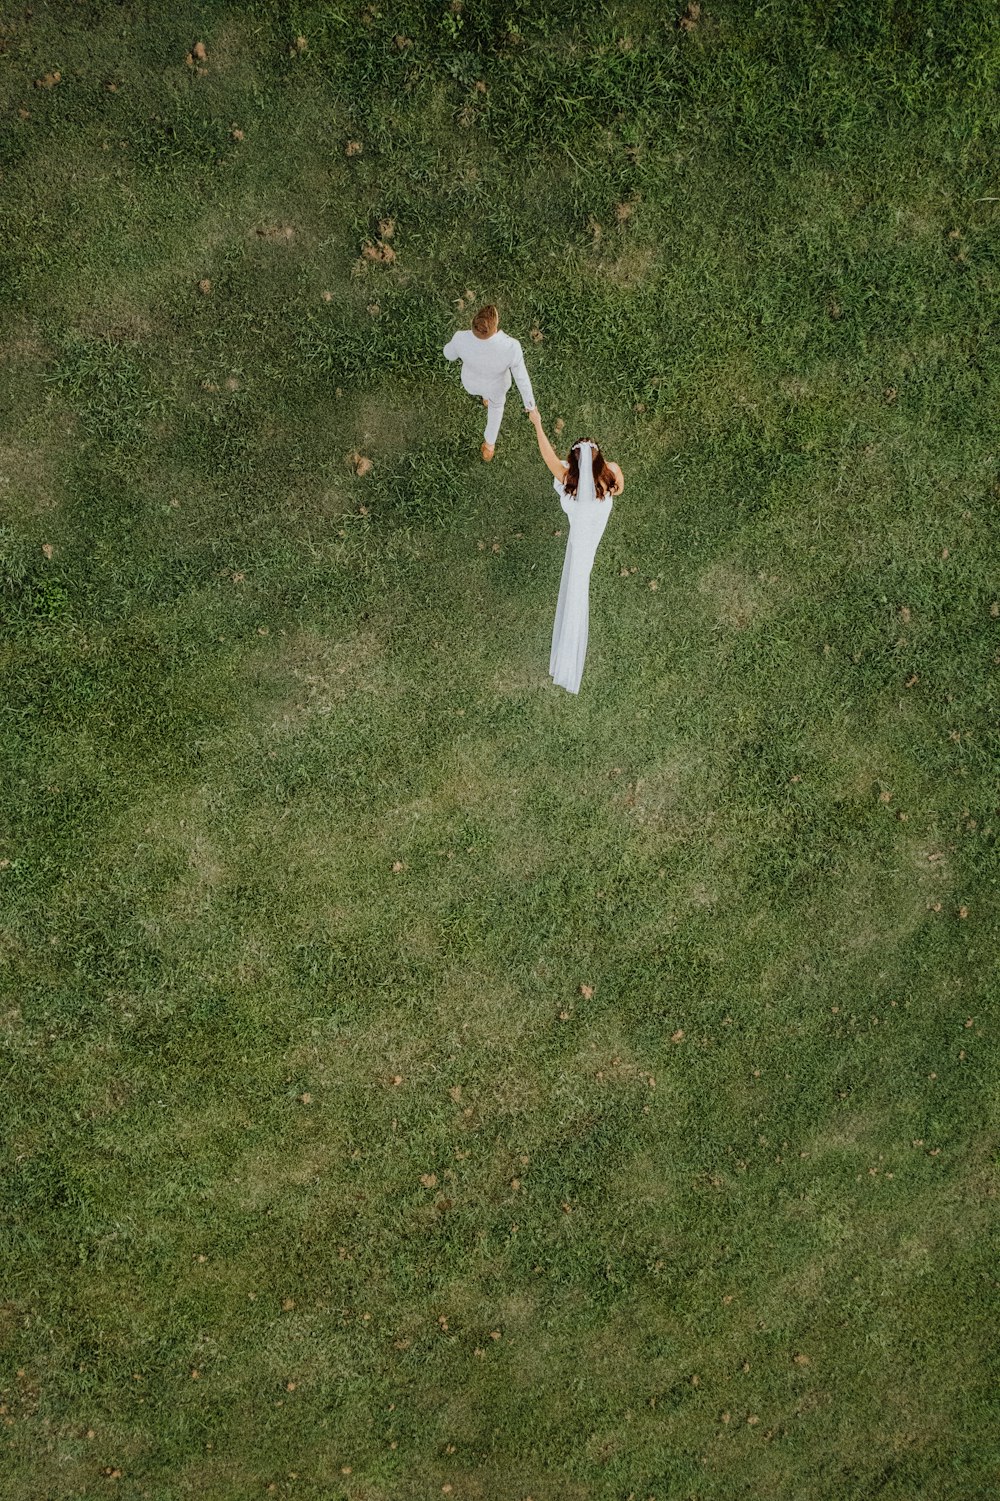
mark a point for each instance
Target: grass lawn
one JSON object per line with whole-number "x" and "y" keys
{"x": 420, "y": 1081}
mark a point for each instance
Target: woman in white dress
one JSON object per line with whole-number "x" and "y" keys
{"x": 585, "y": 483}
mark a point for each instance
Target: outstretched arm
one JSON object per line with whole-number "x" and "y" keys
{"x": 548, "y": 453}
{"x": 519, "y": 371}
{"x": 451, "y": 348}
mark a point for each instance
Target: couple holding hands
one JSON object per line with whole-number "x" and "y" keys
{"x": 585, "y": 482}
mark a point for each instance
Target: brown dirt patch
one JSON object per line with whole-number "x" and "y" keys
{"x": 630, "y": 268}
{"x": 735, "y": 599}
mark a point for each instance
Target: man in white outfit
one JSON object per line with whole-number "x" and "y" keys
{"x": 489, "y": 359}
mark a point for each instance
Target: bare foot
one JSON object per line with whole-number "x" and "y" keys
{"x": 488, "y": 450}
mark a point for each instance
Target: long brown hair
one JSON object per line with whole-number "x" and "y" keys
{"x": 604, "y": 479}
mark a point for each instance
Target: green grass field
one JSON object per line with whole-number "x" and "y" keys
{"x": 420, "y": 1081}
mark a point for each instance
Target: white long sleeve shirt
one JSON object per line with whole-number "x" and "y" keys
{"x": 488, "y": 364}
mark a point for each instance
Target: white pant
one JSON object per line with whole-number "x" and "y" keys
{"x": 494, "y": 416}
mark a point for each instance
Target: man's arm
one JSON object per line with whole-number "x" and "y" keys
{"x": 519, "y": 371}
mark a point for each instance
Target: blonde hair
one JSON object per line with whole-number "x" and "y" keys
{"x": 486, "y": 322}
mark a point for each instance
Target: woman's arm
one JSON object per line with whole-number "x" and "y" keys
{"x": 619, "y": 479}
{"x": 548, "y": 453}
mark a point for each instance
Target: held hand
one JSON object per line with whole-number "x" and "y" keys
{"x": 534, "y": 416}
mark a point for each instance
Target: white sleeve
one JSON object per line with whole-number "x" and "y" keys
{"x": 451, "y": 349}
{"x": 520, "y": 373}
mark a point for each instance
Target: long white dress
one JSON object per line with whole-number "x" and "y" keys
{"x": 587, "y": 519}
